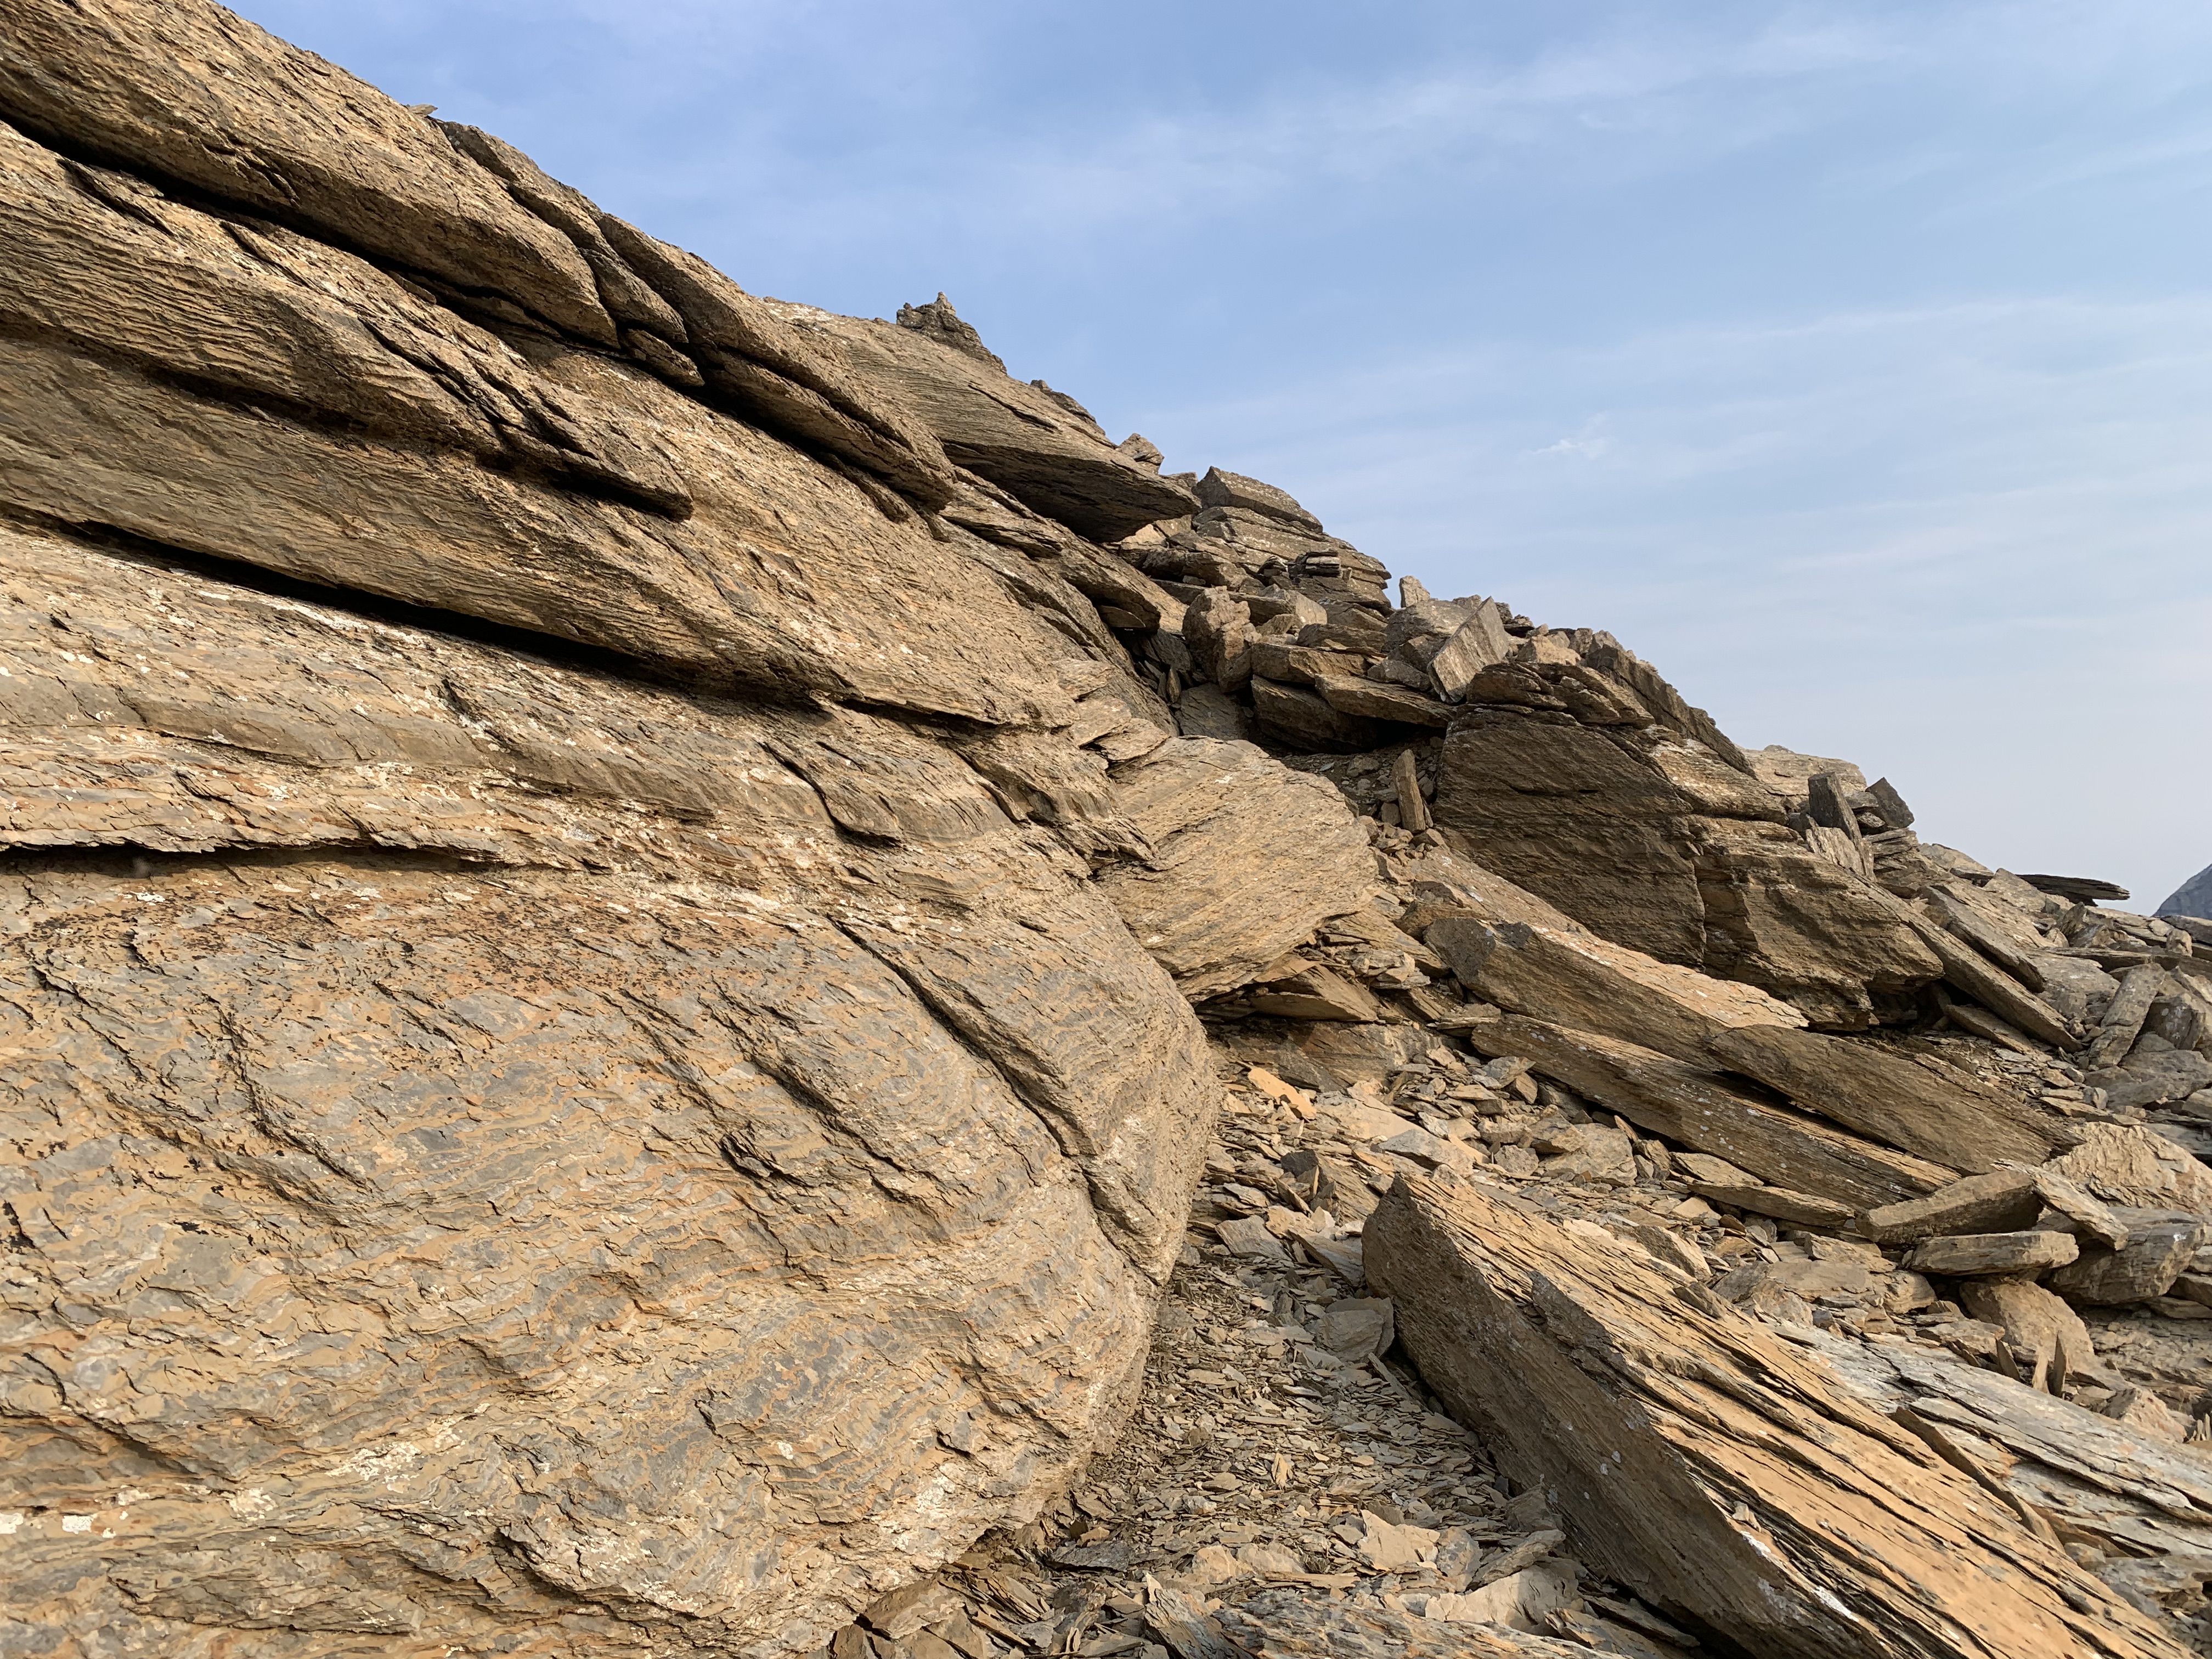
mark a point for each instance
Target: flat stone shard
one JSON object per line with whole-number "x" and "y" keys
{"x": 1976, "y": 1254}
{"x": 1928, "y": 1108}
{"x": 1726, "y": 1477}
{"x": 1578, "y": 980}
{"x": 1707, "y": 1109}
{"x": 2004, "y": 1200}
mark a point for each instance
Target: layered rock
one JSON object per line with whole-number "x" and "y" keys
{"x": 707, "y": 1155}
{"x": 605, "y": 884}
{"x": 576, "y": 1084}
{"x": 1650, "y": 837}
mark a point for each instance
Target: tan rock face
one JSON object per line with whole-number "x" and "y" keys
{"x": 1653, "y": 838}
{"x": 1018, "y": 436}
{"x": 1699, "y": 1459}
{"x": 518, "y": 1153}
{"x": 1245, "y": 858}
{"x": 507, "y": 1124}
{"x": 184, "y": 90}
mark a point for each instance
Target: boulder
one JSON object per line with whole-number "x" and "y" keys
{"x": 1913, "y": 1103}
{"x": 1726, "y": 1477}
{"x": 1651, "y": 839}
{"x": 2049, "y": 1344}
{"x": 2159, "y": 1248}
{"x": 637, "y": 1139}
{"x": 2124, "y": 1164}
{"x": 1244, "y": 858}
{"x": 1220, "y": 489}
{"x": 1573, "y": 978}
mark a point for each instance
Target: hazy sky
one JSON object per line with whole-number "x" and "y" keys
{"x": 1853, "y": 363}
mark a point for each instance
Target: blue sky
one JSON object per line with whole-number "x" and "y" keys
{"x": 1851, "y": 362}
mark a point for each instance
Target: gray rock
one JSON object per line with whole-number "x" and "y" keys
{"x": 1220, "y": 489}
{"x": 2160, "y": 1243}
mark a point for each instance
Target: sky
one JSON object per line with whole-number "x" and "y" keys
{"x": 1852, "y": 363}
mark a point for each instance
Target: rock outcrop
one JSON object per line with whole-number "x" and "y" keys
{"x": 627, "y": 915}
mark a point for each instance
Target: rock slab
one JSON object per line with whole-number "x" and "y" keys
{"x": 1696, "y": 1457}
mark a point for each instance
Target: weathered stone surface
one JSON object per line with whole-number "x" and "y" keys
{"x": 2003, "y": 1200}
{"x": 776, "y": 364}
{"x": 2122, "y": 1020}
{"x": 2078, "y": 991}
{"x": 2160, "y": 1246}
{"x": 1798, "y": 1209}
{"x": 1317, "y": 993}
{"x": 1017, "y": 436}
{"x": 766, "y": 585}
{"x": 1653, "y": 840}
{"x": 628, "y": 298}
{"x": 516, "y": 1084}
{"x": 1573, "y": 978}
{"x": 183, "y": 90}
{"x": 103, "y": 263}
{"x": 1245, "y": 858}
{"x": 2050, "y": 1345}
{"x": 1214, "y": 627}
{"x": 2123, "y": 1164}
{"x": 1957, "y": 912}
{"x": 1207, "y": 711}
{"x": 580, "y": 1076}
{"x": 1293, "y": 715}
{"x": 1722, "y": 1474}
{"x": 1479, "y": 642}
{"x": 1220, "y": 489}
{"x": 1370, "y": 701}
{"x": 1291, "y": 664}
{"x": 1963, "y": 1254}
{"x": 1714, "y": 1113}
{"x": 1970, "y": 972}
{"x": 1915, "y": 1103}
{"x": 1314, "y": 1625}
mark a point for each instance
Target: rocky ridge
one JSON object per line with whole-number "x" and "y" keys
{"x": 688, "y": 977}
